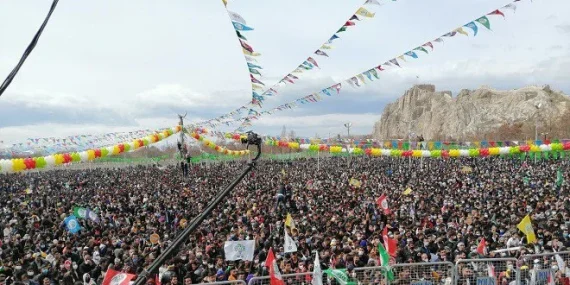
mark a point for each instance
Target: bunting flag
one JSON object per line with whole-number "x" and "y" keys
{"x": 21, "y": 164}
{"x": 239, "y": 25}
{"x": 354, "y": 80}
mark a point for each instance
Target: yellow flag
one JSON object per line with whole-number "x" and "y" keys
{"x": 461, "y": 31}
{"x": 365, "y": 13}
{"x": 361, "y": 77}
{"x": 256, "y": 87}
{"x": 289, "y": 221}
{"x": 355, "y": 182}
{"x": 283, "y": 171}
{"x": 402, "y": 57}
{"x": 326, "y": 47}
{"x": 407, "y": 191}
{"x": 525, "y": 226}
{"x": 246, "y": 52}
{"x": 477, "y": 144}
{"x": 225, "y": 2}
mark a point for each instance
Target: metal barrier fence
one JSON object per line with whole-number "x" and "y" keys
{"x": 368, "y": 275}
{"x": 538, "y": 268}
{"x": 425, "y": 273}
{"x": 487, "y": 271}
{"x": 237, "y": 282}
{"x": 289, "y": 279}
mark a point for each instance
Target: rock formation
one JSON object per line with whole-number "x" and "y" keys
{"x": 437, "y": 115}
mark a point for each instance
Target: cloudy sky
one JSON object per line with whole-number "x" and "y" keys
{"x": 105, "y": 66}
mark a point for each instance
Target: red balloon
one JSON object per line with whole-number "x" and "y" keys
{"x": 121, "y": 148}
{"x": 98, "y": 153}
{"x": 484, "y": 152}
{"x": 524, "y": 148}
{"x": 368, "y": 151}
{"x": 67, "y": 157}
{"x": 445, "y": 153}
{"x": 566, "y": 146}
{"x": 30, "y": 163}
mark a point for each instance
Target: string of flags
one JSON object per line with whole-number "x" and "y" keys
{"x": 260, "y": 91}
{"x": 30, "y": 163}
{"x": 373, "y": 73}
{"x": 240, "y": 26}
{"x": 75, "y": 143}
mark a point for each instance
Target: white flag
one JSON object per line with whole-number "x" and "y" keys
{"x": 290, "y": 245}
{"x": 373, "y": 2}
{"x": 317, "y": 273}
{"x": 236, "y": 17}
{"x": 242, "y": 249}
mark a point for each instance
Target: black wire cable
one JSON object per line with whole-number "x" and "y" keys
{"x": 28, "y": 51}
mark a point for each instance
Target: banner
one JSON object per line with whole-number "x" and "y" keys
{"x": 21, "y": 164}
{"x": 239, "y": 250}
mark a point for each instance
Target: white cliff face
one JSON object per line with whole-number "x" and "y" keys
{"x": 433, "y": 114}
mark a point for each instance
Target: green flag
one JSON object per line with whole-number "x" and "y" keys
{"x": 340, "y": 276}
{"x": 384, "y": 262}
{"x": 80, "y": 212}
{"x": 559, "y": 178}
{"x": 484, "y": 21}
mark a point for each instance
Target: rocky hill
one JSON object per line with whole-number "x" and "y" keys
{"x": 472, "y": 113}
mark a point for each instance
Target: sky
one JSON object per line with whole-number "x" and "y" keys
{"x": 108, "y": 66}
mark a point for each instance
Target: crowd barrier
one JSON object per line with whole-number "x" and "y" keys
{"x": 530, "y": 269}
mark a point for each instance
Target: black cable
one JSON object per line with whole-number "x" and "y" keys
{"x": 28, "y": 51}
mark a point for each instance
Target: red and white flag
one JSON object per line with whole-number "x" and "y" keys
{"x": 383, "y": 203}
{"x": 274, "y": 273}
{"x": 550, "y": 279}
{"x": 481, "y": 248}
{"x": 390, "y": 244}
{"x": 113, "y": 277}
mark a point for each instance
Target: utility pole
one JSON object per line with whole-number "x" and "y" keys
{"x": 181, "y": 144}
{"x": 347, "y": 126}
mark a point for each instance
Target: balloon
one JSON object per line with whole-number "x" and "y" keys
{"x": 40, "y": 162}
{"x": 98, "y": 153}
{"x": 83, "y": 155}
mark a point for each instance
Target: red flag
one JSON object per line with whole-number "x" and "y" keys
{"x": 383, "y": 203}
{"x": 246, "y": 46}
{"x": 497, "y": 12}
{"x": 313, "y": 61}
{"x": 380, "y": 67}
{"x": 429, "y": 44}
{"x": 274, "y": 273}
{"x": 349, "y": 23}
{"x": 157, "y": 279}
{"x": 391, "y": 245}
{"x": 113, "y": 277}
{"x": 481, "y": 247}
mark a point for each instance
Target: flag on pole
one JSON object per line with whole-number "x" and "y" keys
{"x": 340, "y": 276}
{"x": 385, "y": 262}
{"x": 481, "y": 248}
{"x": 391, "y": 245}
{"x": 80, "y": 212}
{"x": 383, "y": 203}
{"x": 317, "y": 272}
{"x": 289, "y": 222}
{"x": 236, "y": 250}
{"x": 525, "y": 226}
{"x": 113, "y": 277}
{"x": 289, "y": 245}
{"x": 72, "y": 224}
{"x": 491, "y": 270}
{"x": 274, "y": 274}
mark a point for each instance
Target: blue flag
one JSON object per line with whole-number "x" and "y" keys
{"x": 72, "y": 224}
{"x": 241, "y": 27}
{"x": 471, "y": 25}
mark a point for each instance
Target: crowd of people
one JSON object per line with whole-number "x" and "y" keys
{"x": 449, "y": 206}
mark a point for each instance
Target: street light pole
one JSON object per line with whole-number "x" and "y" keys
{"x": 537, "y": 106}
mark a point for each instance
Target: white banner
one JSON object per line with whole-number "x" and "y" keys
{"x": 236, "y": 250}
